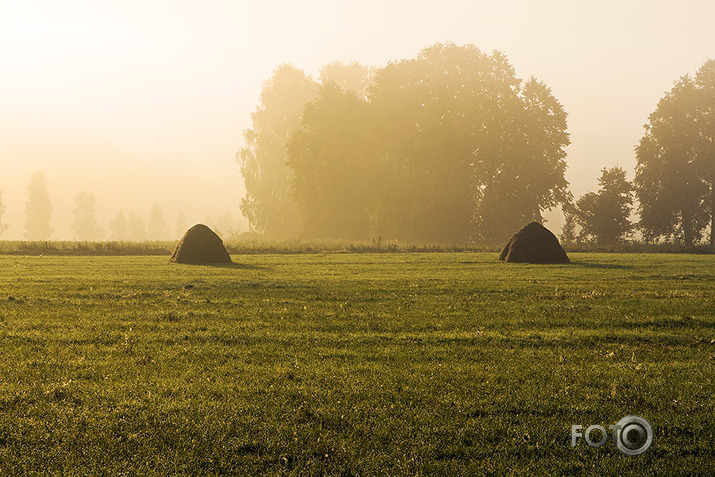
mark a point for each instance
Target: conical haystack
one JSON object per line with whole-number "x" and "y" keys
{"x": 200, "y": 245}
{"x": 534, "y": 244}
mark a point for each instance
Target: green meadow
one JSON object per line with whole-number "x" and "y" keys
{"x": 352, "y": 364}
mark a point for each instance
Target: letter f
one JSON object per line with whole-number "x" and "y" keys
{"x": 575, "y": 434}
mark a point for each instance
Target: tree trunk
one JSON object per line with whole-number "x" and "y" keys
{"x": 687, "y": 230}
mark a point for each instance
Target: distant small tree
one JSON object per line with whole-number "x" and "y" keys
{"x": 84, "y": 223}
{"x": 604, "y": 216}
{"x": 181, "y": 224}
{"x": 119, "y": 227}
{"x": 3, "y": 226}
{"x": 137, "y": 227}
{"x": 568, "y": 231}
{"x": 157, "y": 225}
{"x": 38, "y": 208}
{"x": 225, "y": 226}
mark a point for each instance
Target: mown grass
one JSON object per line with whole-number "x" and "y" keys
{"x": 353, "y": 364}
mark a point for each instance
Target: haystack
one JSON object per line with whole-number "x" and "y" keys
{"x": 200, "y": 245}
{"x": 534, "y": 244}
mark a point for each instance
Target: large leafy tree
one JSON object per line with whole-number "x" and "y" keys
{"x": 482, "y": 151}
{"x": 604, "y": 215}
{"x": 38, "y": 208}
{"x": 336, "y": 181}
{"x": 675, "y": 173}
{"x": 463, "y": 147}
{"x": 522, "y": 161}
{"x": 705, "y": 82}
{"x": 269, "y": 204}
{"x": 430, "y": 110}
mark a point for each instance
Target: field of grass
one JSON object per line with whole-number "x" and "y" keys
{"x": 353, "y": 364}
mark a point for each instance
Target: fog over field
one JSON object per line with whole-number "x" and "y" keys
{"x": 143, "y": 103}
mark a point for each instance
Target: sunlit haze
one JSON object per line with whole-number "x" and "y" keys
{"x": 143, "y": 103}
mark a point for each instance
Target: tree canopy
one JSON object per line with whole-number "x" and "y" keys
{"x": 335, "y": 176}
{"x": 446, "y": 147}
{"x": 604, "y": 215}
{"x": 675, "y": 173}
{"x": 268, "y": 204}
{"x": 353, "y": 76}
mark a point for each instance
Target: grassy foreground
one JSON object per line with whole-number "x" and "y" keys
{"x": 354, "y": 364}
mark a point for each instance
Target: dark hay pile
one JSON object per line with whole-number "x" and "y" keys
{"x": 534, "y": 244}
{"x": 200, "y": 245}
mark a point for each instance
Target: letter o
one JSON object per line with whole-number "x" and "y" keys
{"x": 587, "y": 435}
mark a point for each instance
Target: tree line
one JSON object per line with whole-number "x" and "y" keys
{"x": 451, "y": 146}
{"x": 431, "y": 149}
{"x": 85, "y": 225}
{"x": 674, "y": 179}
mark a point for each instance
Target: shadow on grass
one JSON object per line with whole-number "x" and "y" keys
{"x": 611, "y": 266}
{"x": 232, "y": 265}
{"x": 238, "y": 266}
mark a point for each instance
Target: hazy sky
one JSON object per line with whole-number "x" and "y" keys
{"x": 143, "y": 102}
